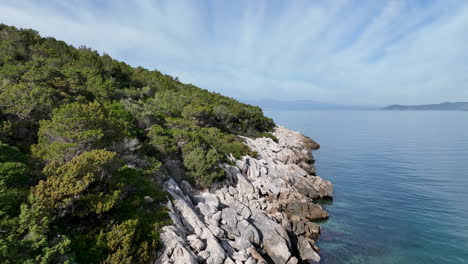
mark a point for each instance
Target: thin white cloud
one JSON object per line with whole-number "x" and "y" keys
{"x": 351, "y": 52}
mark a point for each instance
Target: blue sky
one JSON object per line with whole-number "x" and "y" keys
{"x": 337, "y": 51}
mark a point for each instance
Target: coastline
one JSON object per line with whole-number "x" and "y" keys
{"x": 263, "y": 212}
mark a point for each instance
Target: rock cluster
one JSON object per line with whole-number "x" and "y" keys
{"x": 263, "y": 211}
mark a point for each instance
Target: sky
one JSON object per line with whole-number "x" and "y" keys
{"x": 361, "y": 52}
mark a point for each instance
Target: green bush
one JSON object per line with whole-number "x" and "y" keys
{"x": 162, "y": 140}
{"x": 14, "y": 178}
{"x": 28, "y": 101}
{"x": 11, "y": 154}
{"x": 75, "y": 128}
{"x": 269, "y": 135}
{"x": 202, "y": 164}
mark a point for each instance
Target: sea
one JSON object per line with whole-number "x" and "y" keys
{"x": 400, "y": 183}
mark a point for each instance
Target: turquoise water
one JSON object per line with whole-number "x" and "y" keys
{"x": 401, "y": 184}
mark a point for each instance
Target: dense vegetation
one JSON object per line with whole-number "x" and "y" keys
{"x": 85, "y": 143}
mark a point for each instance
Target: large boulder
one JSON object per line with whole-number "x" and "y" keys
{"x": 275, "y": 239}
{"x": 293, "y": 139}
{"x": 306, "y": 251}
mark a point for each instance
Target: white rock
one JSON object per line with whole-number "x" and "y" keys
{"x": 275, "y": 239}
{"x": 148, "y": 199}
{"x": 251, "y": 260}
{"x": 260, "y": 197}
{"x": 195, "y": 243}
{"x": 181, "y": 255}
{"x": 306, "y": 251}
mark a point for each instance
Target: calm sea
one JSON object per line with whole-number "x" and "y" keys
{"x": 401, "y": 184}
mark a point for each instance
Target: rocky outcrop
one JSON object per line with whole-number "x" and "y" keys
{"x": 263, "y": 211}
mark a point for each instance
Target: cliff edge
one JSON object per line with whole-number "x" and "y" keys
{"x": 263, "y": 212}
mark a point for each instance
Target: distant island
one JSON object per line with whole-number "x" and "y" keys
{"x": 300, "y": 105}
{"x": 447, "y": 106}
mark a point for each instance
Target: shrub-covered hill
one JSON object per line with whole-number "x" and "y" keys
{"x": 85, "y": 142}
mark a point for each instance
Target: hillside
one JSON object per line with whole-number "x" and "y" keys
{"x": 458, "y": 106}
{"x": 85, "y": 143}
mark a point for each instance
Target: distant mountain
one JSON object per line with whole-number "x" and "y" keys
{"x": 447, "y": 106}
{"x": 301, "y": 105}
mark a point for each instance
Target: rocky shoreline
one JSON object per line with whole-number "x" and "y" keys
{"x": 263, "y": 212}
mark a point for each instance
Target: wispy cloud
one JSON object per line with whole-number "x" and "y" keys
{"x": 353, "y": 52}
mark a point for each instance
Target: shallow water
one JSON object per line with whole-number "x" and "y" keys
{"x": 401, "y": 184}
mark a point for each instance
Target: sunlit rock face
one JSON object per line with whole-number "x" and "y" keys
{"x": 263, "y": 211}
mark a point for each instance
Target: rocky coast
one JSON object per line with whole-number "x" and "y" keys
{"x": 262, "y": 212}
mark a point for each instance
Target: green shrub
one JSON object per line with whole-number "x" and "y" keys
{"x": 269, "y": 135}
{"x": 11, "y": 154}
{"x": 75, "y": 128}
{"x": 202, "y": 164}
{"x": 163, "y": 141}
{"x": 133, "y": 233}
{"x": 84, "y": 185}
{"x": 14, "y": 178}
